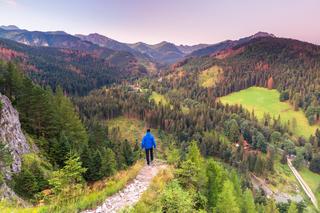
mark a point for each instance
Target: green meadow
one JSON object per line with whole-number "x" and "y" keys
{"x": 263, "y": 101}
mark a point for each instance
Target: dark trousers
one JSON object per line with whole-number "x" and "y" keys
{"x": 149, "y": 155}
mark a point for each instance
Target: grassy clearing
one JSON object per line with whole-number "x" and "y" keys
{"x": 134, "y": 129}
{"x": 159, "y": 99}
{"x": 263, "y": 101}
{"x": 313, "y": 180}
{"x": 130, "y": 128}
{"x": 209, "y": 77}
{"x": 89, "y": 198}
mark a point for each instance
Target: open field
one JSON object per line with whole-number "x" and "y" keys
{"x": 262, "y": 101}
{"x": 209, "y": 77}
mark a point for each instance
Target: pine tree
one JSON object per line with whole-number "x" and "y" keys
{"x": 216, "y": 177}
{"x": 86, "y": 162}
{"x": 69, "y": 122}
{"x": 25, "y": 183}
{"x": 174, "y": 199}
{"x": 108, "y": 162}
{"x": 70, "y": 176}
{"x": 227, "y": 202}
{"x": 127, "y": 153}
{"x": 260, "y": 165}
{"x": 59, "y": 149}
{"x": 96, "y": 165}
{"x": 248, "y": 202}
{"x": 195, "y": 157}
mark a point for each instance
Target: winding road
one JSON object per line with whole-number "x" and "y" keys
{"x": 304, "y": 185}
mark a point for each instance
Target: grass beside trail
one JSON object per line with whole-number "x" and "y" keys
{"x": 263, "y": 101}
{"x": 90, "y": 197}
{"x": 209, "y": 77}
{"x": 158, "y": 98}
{"x": 313, "y": 180}
{"x": 149, "y": 199}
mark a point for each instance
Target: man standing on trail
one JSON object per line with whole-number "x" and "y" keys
{"x": 148, "y": 143}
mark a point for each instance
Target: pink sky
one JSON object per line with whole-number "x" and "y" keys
{"x": 178, "y": 21}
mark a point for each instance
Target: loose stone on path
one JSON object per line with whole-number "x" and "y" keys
{"x": 131, "y": 193}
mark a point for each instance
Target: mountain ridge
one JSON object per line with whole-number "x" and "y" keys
{"x": 212, "y": 49}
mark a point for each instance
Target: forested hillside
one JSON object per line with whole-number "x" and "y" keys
{"x": 77, "y": 72}
{"x": 183, "y": 105}
{"x": 70, "y": 151}
{"x": 291, "y": 66}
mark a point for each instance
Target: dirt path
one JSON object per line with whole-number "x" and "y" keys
{"x": 304, "y": 185}
{"x": 132, "y": 192}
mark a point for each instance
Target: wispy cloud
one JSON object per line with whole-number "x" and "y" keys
{"x": 10, "y": 2}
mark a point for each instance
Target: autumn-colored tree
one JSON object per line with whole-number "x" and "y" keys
{"x": 270, "y": 83}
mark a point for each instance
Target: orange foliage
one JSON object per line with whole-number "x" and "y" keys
{"x": 228, "y": 53}
{"x": 270, "y": 83}
{"x": 7, "y": 54}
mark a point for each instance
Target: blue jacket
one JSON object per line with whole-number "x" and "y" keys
{"x": 148, "y": 141}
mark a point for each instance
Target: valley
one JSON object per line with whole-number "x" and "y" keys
{"x": 84, "y": 102}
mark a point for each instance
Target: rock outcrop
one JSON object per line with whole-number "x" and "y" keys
{"x": 12, "y": 136}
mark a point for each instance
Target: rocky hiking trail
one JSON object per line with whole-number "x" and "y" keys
{"x": 131, "y": 194}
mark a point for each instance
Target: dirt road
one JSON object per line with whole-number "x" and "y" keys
{"x": 304, "y": 185}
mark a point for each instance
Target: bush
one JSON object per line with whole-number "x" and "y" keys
{"x": 30, "y": 180}
{"x": 25, "y": 184}
{"x": 175, "y": 199}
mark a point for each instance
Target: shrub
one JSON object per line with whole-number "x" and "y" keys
{"x": 175, "y": 199}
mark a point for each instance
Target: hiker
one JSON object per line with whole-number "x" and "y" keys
{"x": 148, "y": 143}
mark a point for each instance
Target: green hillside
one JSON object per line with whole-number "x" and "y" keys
{"x": 262, "y": 101}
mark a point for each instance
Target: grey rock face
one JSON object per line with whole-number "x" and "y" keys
{"x": 11, "y": 135}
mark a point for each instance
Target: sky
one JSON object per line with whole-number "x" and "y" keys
{"x": 178, "y": 21}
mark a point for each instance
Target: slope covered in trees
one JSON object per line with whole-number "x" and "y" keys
{"x": 293, "y": 66}
{"x": 70, "y": 151}
{"x": 76, "y": 71}
{"x": 191, "y": 137}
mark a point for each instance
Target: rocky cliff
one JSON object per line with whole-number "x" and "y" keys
{"x": 13, "y": 138}
{"x": 11, "y": 135}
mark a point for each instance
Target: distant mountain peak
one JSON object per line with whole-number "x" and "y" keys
{"x": 262, "y": 34}
{"x": 10, "y": 27}
{"x": 59, "y": 32}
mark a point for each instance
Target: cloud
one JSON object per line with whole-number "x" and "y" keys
{"x": 10, "y": 2}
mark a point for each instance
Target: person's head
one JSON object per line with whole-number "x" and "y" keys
{"x": 148, "y": 130}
